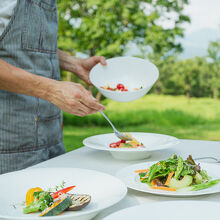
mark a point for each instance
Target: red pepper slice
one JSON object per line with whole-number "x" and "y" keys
{"x": 62, "y": 191}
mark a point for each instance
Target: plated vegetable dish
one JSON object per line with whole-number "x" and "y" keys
{"x": 126, "y": 144}
{"x": 119, "y": 87}
{"x": 52, "y": 204}
{"x": 174, "y": 174}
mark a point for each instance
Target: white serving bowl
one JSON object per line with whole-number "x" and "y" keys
{"x": 151, "y": 141}
{"x": 132, "y": 72}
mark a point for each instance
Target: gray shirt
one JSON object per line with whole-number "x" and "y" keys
{"x": 6, "y": 10}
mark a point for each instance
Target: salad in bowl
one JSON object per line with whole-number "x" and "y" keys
{"x": 133, "y": 143}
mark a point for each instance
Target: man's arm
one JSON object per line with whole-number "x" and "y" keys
{"x": 69, "y": 97}
{"x": 80, "y": 67}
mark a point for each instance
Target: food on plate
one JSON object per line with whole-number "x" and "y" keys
{"x": 58, "y": 206}
{"x": 78, "y": 201}
{"x": 30, "y": 194}
{"x": 119, "y": 87}
{"x": 126, "y": 144}
{"x": 62, "y": 191}
{"x": 54, "y": 203}
{"x": 175, "y": 174}
{"x": 42, "y": 200}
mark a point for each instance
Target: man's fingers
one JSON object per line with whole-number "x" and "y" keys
{"x": 89, "y": 101}
{"x": 81, "y": 109}
{"x": 103, "y": 61}
{"x": 86, "y": 98}
{"x": 94, "y": 105}
{"x": 100, "y": 59}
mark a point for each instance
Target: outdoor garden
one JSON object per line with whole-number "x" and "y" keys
{"x": 184, "y": 102}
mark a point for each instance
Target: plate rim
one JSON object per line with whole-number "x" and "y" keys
{"x": 150, "y": 204}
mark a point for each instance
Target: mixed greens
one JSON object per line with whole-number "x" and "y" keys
{"x": 175, "y": 173}
{"x": 42, "y": 200}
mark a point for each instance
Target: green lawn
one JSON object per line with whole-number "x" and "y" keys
{"x": 197, "y": 118}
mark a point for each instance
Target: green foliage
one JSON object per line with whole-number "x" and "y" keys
{"x": 105, "y": 27}
{"x": 191, "y": 77}
{"x": 214, "y": 56}
{"x": 151, "y": 109}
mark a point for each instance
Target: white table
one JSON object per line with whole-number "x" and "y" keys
{"x": 104, "y": 162}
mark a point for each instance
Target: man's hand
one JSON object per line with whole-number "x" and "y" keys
{"x": 81, "y": 67}
{"x": 85, "y": 65}
{"x": 74, "y": 99}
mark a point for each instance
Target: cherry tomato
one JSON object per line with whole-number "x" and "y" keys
{"x": 120, "y": 86}
{"x": 113, "y": 145}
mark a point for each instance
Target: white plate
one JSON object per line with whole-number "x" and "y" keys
{"x": 181, "y": 210}
{"x": 105, "y": 191}
{"x": 133, "y": 72}
{"x": 151, "y": 141}
{"x": 132, "y": 180}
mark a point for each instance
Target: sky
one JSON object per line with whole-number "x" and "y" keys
{"x": 203, "y": 14}
{"x": 204, "y": 27}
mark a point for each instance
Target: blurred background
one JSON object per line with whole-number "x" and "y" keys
{"x": 181, "y": 37}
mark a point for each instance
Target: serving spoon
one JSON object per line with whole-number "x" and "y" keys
{"x": 120, "y": 135}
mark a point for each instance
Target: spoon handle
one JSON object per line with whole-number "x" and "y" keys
{"x": 108, "y": 120}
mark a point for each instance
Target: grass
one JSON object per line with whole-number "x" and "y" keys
{"x": 197, "y": 118}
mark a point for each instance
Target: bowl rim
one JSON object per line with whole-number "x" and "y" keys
{"x": 175, "y": 141}
{"x": 155, "y": 73}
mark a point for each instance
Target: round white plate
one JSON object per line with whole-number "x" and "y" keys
{"x": 131, "y": 179}
{"x": 105, "y": 191}
{"x": 151, "y": 141}
{"x": 181, "y": 210}
{"x": 133, "y": 72}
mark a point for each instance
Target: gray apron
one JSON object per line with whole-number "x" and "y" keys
{"x": 30, "y": 127}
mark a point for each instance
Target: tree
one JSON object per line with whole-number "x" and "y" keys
{"x": 214, "y": 57}
{"x": 105, "y": 27}
{"x": 183, "y": 77}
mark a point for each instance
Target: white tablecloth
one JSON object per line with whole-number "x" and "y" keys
{"x": 103, "y": 161}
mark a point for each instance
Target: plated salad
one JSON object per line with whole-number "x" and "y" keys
{"x": 119, "y": 87}
{"x": 174, "y": 174}
{"x": 126, "y": 144}
{"x": 52, "y": 204}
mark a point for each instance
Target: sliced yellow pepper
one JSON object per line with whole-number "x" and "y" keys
{"x": 30, "y": 194}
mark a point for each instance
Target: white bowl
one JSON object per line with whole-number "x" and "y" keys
{"x": 132, "y": 72}
{"x": 151, "y": 141}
